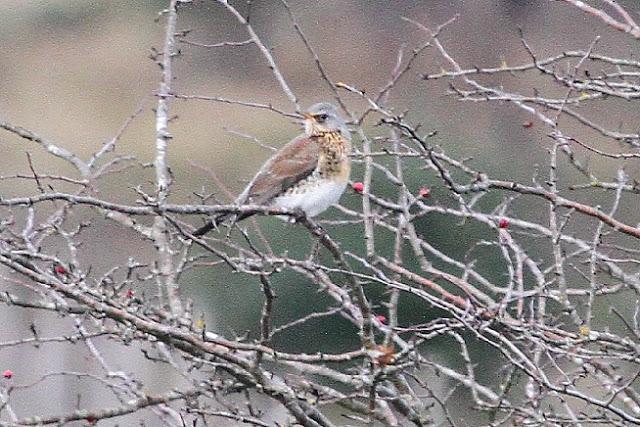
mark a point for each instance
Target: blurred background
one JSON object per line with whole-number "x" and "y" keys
{"x": 74, "y": 70}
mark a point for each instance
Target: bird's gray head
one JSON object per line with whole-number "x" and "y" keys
{"x": 323, "y": 117}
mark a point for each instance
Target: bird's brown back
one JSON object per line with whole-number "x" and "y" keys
{"x": 291, "y": 164}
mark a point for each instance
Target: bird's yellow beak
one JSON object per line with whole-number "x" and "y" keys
{"x": 308, "y": 116}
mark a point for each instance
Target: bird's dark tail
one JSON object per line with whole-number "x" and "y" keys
{"x": 216, "y": 221}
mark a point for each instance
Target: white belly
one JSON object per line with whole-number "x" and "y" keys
{"x": 314, "y": 200}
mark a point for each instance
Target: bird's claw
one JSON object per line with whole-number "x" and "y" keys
{"x": 297, "y": 215}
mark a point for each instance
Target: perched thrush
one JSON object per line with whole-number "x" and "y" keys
{"x": 310, "y": 173}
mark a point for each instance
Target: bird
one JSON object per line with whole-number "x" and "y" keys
{"x": 310, "y": 173}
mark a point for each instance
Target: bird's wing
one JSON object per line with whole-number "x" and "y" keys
{"x": 292, "y": 163}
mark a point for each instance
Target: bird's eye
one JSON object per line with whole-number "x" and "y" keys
{"x": 322, "y": 117}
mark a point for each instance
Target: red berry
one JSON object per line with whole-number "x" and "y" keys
{"x": 424, "y": 192}
{"x": 91, "y": 420}
{"x": 7, "y": 374}
{"x": 503, "y": 223}
{"x": 130, "y": 293}
{"x": 381, "y": 318}
{"x": 60, "y": 270}
{"x": 358, "y": 187}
